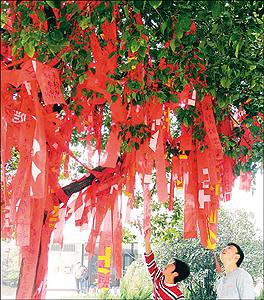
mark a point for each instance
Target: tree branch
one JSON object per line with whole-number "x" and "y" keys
{"x": 77, "y": 186}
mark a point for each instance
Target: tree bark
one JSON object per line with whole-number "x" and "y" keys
{"x": 77, "y": 186}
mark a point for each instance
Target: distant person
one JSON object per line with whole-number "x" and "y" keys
{"x": 78, "y": 276}
{"x": 165, "y": 283}
{"x": 236, "y": 282}
{"x": 84, "y": 278}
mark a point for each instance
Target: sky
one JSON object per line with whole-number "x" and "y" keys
{"x": 251, "y": 201}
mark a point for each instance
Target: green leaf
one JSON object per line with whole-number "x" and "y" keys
{"x": 114, "y": 98}
{"x": 143, "y": 42}
{"x": 161, "y": 96}
{"x": 185, "y": 21}
{"x": 53, "y": 3}
{"x": 178, "y": 30}
{"x": 14, "y": 50}
{"x": 57, "y": 35}
{"x": 85, "y": 22}
{"x": 221, "y": 102}
{"x": 139, "y": 4}
{"x": 126, "y": 12}
{"x": 78, "y": 110}
{"x": 41, "y": 16}
{"x": 163, "y": 27}
{"x": 135, "y": 46}
{"x": 55, "y": 48}
{"x": 155, "y": 3}
{"x": 82, "y": 78}
{"x": 186, "y": 121}
{"x": 237, "y": 49}
{"x": 216, "y": 8}
{"x": 29, "y": 49}
{"x": 110, "y": 88}
{"x": 112, "y": 54}
{"x": 214, "y": 28}
{"x": 140, "y": 27}
{"x": 142, "y": 51}
{"x": 134, "y": 95}
{"x": 172, "y": 45}
{"x": 3, "y": 19}
{"x": 225, "y": 82}
{"x": 174, "y": 98}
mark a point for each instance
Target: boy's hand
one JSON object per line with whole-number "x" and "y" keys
{"x": 147, "y": 235}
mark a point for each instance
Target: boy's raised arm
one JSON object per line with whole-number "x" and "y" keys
{"x": 147, "y": 241}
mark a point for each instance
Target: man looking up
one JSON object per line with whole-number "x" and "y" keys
{"x": 236, "y": 282}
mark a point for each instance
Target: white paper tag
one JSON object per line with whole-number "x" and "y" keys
{"x": 153, "y": 141}
{"x": 34, "y": 65}
{"x": 28, "y": 87}
{"x": 115, "y": 186}
{"x": 191, "y": 102}
{"x": 147, "y": 178}
{"x": 205, "y": 185}
{"x": 203, "y": 198}
{"x": 194, "y": 94}
{"x": 205, "y": 171}
{"x": 158, "y": 122}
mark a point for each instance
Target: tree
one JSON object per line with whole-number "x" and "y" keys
{"x": 137, "y": 81}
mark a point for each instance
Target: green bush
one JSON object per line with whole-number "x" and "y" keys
{"x": 105, "y": 294}
{"x": 136, "y": 283}
{"x": 10, "y": 264}
{"x": 261, "y": 295}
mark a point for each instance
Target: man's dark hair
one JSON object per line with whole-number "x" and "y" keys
{"x": 239, "y": 252}
{"x": 182, "y": 269}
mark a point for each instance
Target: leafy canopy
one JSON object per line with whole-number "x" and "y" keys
{"x": 227, "y": 46}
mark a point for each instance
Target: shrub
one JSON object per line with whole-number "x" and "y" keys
{"x": 136, "y": 283}
{"x": 10, "y": 264}
{"x": 261, "y": 295}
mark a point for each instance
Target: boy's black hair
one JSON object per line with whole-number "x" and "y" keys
{"x": 182, "y": 269}
{"x": 239, "y": 251}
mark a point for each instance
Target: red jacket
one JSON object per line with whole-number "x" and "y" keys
{"x": 162, "y": 290}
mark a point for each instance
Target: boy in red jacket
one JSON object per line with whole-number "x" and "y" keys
{"x": 165, "y": 283}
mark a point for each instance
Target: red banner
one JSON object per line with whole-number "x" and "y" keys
{"x": 105, "y": 254}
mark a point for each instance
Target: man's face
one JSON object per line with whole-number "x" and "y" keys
{"x": 168, "y": 270}
{"x": 229, "y": 254}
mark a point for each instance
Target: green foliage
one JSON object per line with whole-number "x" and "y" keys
{"x": 166, "y": 224}
{"x": 105, "y": 294}
{"x": 133, "y": 136}
{"x": 161, "y": 216}
{"x": 10, "y": 264}
{"x": 261, "y": 295}
{"x": 12, "y": 164}
{"x": 127, "y": 236}
{"x": 136, "y": 283}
